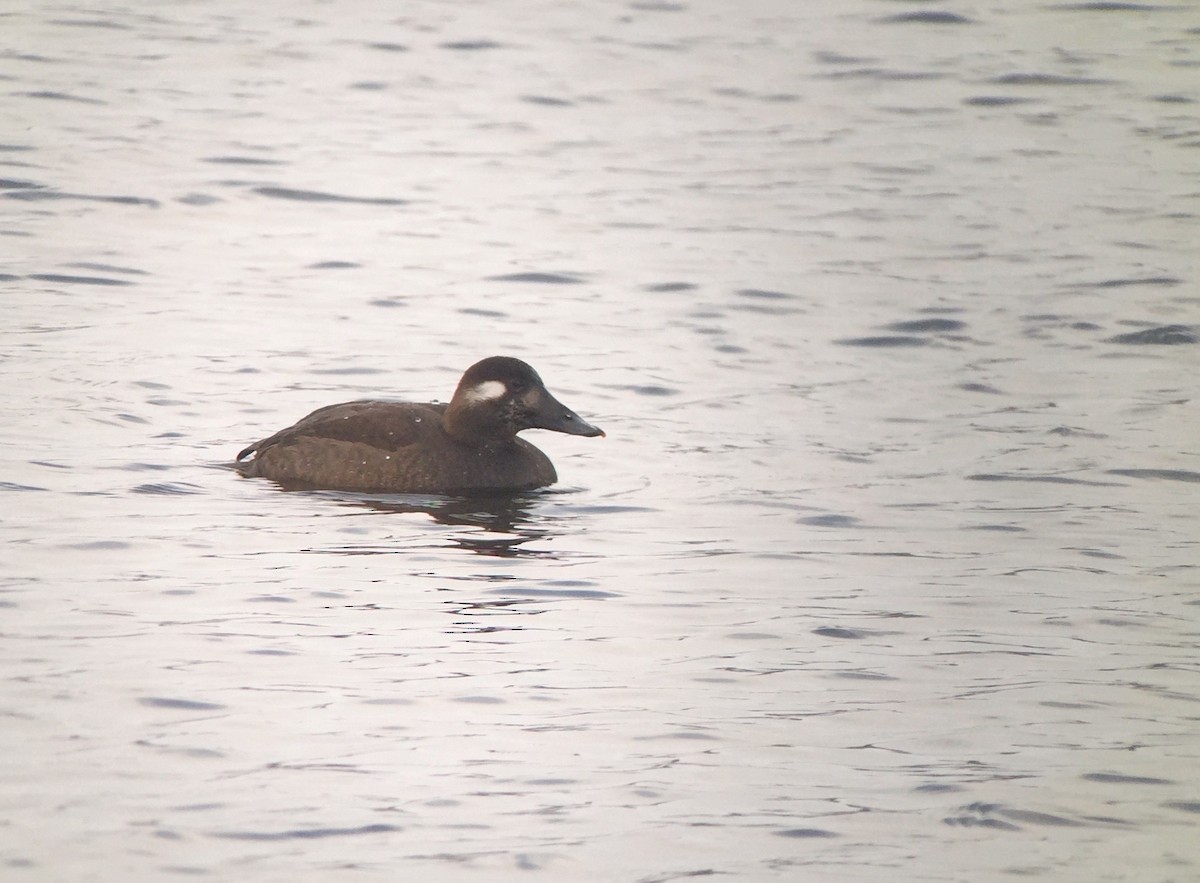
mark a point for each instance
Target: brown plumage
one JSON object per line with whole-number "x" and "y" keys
{"x": 470, "y": 445}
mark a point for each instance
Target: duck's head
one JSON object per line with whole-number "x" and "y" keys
{"x": 500, "y": 396}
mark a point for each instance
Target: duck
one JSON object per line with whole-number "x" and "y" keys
{"x": 467, "y": 446}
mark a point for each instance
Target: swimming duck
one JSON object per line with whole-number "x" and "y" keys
{"x": 469, "y": 445}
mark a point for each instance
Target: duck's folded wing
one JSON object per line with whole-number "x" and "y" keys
{"x": 388, "y": 426}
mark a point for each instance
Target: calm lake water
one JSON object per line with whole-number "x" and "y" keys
{"x": 887, "y": 569}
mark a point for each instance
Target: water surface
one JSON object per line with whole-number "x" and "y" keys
{"x": 886, "y": 569}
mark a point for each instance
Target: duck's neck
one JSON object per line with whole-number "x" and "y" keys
{"x": 471, "y": 426}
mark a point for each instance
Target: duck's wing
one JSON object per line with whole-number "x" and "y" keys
{"x": 388, "y": 426}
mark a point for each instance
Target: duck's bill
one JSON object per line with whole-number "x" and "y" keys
{"x": 553, "y": 414}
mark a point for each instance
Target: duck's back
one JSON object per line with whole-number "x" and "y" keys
{"x": 395, "y": 447}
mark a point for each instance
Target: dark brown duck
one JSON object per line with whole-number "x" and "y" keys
{"x": 469, "y": 445}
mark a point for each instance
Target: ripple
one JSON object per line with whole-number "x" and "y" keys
{"x": 526, "y": 592}
{"x": 90, "y": 23}
{"x": 882, "y": 74}
{"x": 306, "y": 833}
{"x": 804, "y": 833}
{"x": 65, "y": 279}
{"x": 928, "y": 17}
{"x": 830, "y": 520}
{"x": 108, "y": 268}
{"x": 300, "y": 195}
{"x": 1047, "y": 80}
{"x": 1109, "y": 7}
{"x": 884, "y": 341}
{"x": 764, "y": 294}
{"x": 547, "y": 101}
{"x": 665, "y": 287}
{"x": 59, "y": 96}
{"x": 1119, "y": 779}
{"x": 842, "y": 633}
{"x": 539, "y": 278}
{"x": 1161, "y": 474}
{"x": 1137, "y": 280}
{"x": 1047, "y": 479}
{"x": 178, "y": 704}
{"x": 349, "y": 371}
{"x": 863, "y": 676}
{"x": 1074, "y": 431}
{"x": 13, "y": 486}
{"x": 1045, "y": 819}
{"x": 649, "y": 389}
{"x": 168, "y": 489}
{"x": 929, "y": 326}
{"x": 985, "y": 815}
{"x": 471, "y": 45}
{"x": 243, "y": 161}
{"x": 1163, "y": 335}
{"x": 996, "y": 101}
{"x": 610, "y": 509}
{"x": 46, "y": 194}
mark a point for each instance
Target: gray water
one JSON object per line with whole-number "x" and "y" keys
{"x": 887, "y": 567}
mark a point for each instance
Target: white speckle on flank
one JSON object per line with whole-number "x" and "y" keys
{"x": 486, "y": 391}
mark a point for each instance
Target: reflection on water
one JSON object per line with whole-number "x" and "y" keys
{"x": 887, "y": 564}
{"x": 500, "y": 513}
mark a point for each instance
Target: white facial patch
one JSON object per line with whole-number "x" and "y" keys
{"x": 486, "y": 391}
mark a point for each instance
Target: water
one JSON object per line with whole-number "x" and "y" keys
{"x": 887, "y": 568}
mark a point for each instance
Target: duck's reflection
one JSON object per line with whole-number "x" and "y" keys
{"x": 504, "y": 523}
